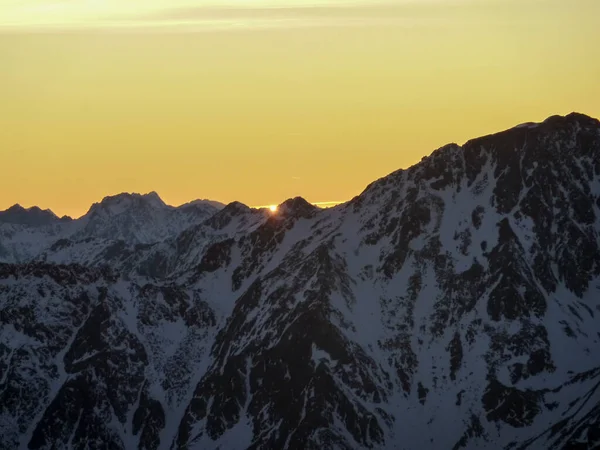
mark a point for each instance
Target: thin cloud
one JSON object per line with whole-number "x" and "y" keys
{"x": 182, "y": 15}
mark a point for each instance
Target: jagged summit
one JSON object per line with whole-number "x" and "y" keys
{"x": 150, "y": 196}
{"x": 119, "y": 203}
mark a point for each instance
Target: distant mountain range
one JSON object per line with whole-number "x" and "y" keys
{"x": 131, "y": 218}
{"x": 455, "y": 304}
{"x": 32, "y": 217}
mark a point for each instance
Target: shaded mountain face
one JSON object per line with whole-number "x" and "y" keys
{"x": 32, "y": 217}
{"x": 455, "y": 304}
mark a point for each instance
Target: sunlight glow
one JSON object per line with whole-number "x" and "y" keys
{"x": 273, "y": 208}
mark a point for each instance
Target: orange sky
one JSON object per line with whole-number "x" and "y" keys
{"x": 258, "y": 104}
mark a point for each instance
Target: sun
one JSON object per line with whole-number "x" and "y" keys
{"x": 273, "y": 208}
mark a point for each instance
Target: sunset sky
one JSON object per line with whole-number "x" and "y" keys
{"x": 262, "y": 100}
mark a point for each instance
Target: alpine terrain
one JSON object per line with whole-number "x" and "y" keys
{"x": 455, "y": 304}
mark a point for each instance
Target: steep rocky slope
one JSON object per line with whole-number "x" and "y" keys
{"x": 452, "y": 305}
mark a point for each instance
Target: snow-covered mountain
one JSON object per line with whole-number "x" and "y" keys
{"x": 452, "y": 305}
{"x": 128, "y": 218}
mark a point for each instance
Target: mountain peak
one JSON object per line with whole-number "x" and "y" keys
{"x": 153, "y": 195}
{"x": 581, "y": 117}
{"x": 203, "y": 202}
{"x": 119, "y": 203}
{"x": 224, "y": 217}
{"x": 150, "y": 196}
{"x": 236, "y": 207}
{"x": 297, "y": 207}
{"x": 33, "y": 216}
{"x": 552, "y": 123}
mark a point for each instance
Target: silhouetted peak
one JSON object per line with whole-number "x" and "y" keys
{"x": 297, "y": 207}
{"x": 224, "y": 217}
{"x": 235, "y": 208}
{"x": 33, "y": 210}
{"x": 525, "y": 135}
{"x": 153, "y": 196}
{"x": 582, "y": 118}
{"x": 203, "y": 202}
{"x": 552, "y": 123}
{"x": 33, "y": 216}
{"x": 571, "y": 119}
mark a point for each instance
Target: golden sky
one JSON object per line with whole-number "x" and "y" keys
{"x": 258, "y": 101}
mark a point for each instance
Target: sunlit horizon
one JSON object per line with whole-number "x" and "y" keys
{"x": 273, "y": 207}
{"x": 261, "y": 101}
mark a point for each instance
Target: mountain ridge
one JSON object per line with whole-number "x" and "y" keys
{"x": 153, "y": 195}
{"x": 453, "y": 304}
{"x": 568, "y": 118}
{"x": 33, "y": 216}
